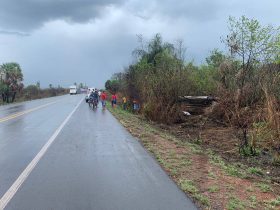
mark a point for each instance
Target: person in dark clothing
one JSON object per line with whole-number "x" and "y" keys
{"x": 96, "y": 96}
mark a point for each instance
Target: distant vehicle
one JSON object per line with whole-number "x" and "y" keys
{"x": 73, "y": 90}
{"x": 83, "y": 90}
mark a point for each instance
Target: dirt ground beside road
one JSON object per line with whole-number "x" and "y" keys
{"x": 204, "y": 166}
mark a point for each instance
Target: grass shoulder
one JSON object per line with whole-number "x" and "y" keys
{"x": 211, "y": 181}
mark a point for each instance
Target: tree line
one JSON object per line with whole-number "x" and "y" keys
{"x": 246, "y": 80}
{"x": 12, "y": 87}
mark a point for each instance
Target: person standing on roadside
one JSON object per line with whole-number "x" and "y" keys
{"x": 114, "y": 100}
{"x": 103, "y": 97}
{"x": 136, "y": 106}
{"x": 124, "y": 103}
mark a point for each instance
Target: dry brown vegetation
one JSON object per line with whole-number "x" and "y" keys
{"x": 245, "y": 81}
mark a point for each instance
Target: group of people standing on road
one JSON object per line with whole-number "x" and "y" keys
{"x": 135, "y": 103}
{"x": 98, "y": 95}
{"x": 102, "y": 96}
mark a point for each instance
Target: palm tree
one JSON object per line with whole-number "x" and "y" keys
{"x": 11, "y": 83}
{"x": 153, "y": 48}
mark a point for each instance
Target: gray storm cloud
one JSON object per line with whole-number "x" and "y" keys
{"x": 29, "y": 14}
{"x": 198, "y": 10}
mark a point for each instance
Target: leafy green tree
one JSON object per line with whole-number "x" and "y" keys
{"x": 158, "y": 78}
{"x": 11, "y": 81}
{"x": 216, "y": 58}
{"x": 108, "y": 85}
{"x": 113, "y": 85}
{"x": 154, "y": 47}
{"x": 253, "y": 49}
{"x": 278, "y": 50}
{"x": 252, "y": 44}
{"x": 250, "y": 41}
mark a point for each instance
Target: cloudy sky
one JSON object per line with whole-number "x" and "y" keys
{"x": 66, "y": 41}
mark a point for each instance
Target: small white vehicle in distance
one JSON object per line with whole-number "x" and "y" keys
{"x": 73, "y": 90}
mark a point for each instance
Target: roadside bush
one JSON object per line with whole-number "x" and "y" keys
{"x": 247, "y": 80}
{"x": 31, "y": 91}
{"x": 34, "y": 92}
{"x": 159, "y": 77}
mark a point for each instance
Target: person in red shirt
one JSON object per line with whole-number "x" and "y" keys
{"x": 114, "y": 100}
{"x": 103, "y": 97}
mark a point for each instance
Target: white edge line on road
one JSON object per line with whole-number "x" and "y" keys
{"x": 23, "y": 176}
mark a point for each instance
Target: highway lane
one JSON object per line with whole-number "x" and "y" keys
{"x": 94, "y": 163}
{"x": 23, "y": 136}
{"x": 12, "y": 109}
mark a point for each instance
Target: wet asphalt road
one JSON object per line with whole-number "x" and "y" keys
{"x": 93, "y": 163}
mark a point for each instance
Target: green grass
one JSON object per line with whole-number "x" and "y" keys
{"x": 185, "y": 163}
{"x": 253, "y": 201}
{"x": 196, "y": 149}
{"x": 164, "y": 163}
{"x": 198, "y": 141}
{"x": 213, "y": 189}
{"x": 174, "y": 163}
{"x": 264, "y": 187}
{"x": 212, "y": 175}
{"x": 168, "y": 136}
{"x": 159, "y": 158}
{"x": 188, "y": 186}
{"x": 174, "y": 172}
{"x": 272, "y": 204}
{"x": 255, "y": 171}
{"x": 202, "y": 199}
{"x": 233, "y": 171}
{"x": 235, "y": 204}
{"x": 229, "y": 169}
